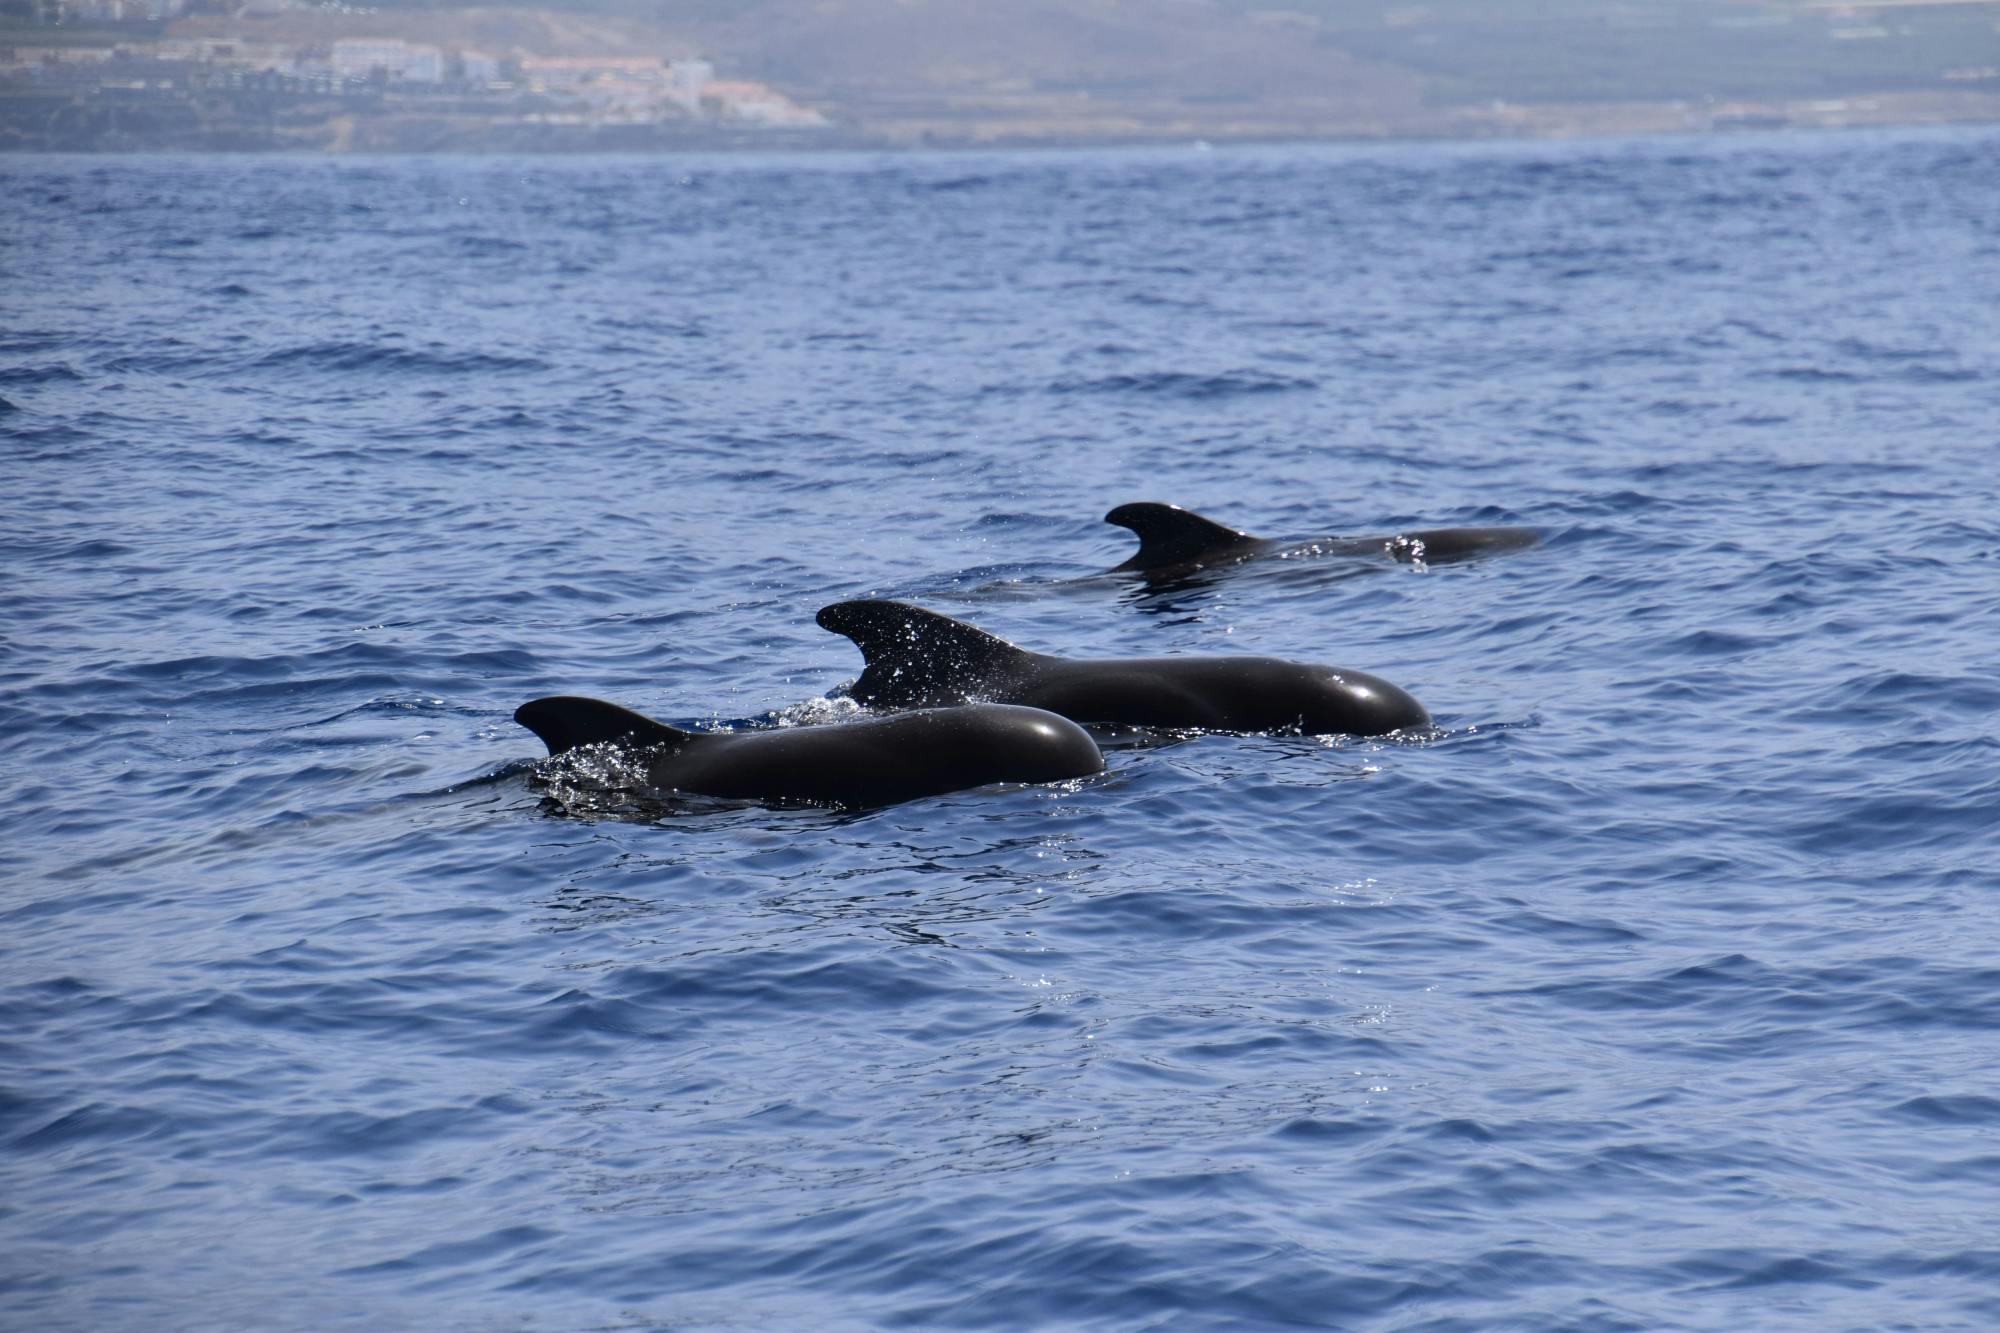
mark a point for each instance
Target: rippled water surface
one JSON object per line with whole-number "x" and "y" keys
{"x": 1660, "y": 988}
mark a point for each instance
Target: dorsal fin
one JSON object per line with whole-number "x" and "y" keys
{"x": 918, "y": 657}
{"x": 1170, "y": 535}
{"x": 565, "y": 722}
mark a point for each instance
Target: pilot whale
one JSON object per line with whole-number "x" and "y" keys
{"x": 877, "y": 761}
{"x": 917, "y": 658}
{"x": 1174, "y": 541}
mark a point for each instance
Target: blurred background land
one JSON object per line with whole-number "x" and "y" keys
{"x": 646, "y": 74}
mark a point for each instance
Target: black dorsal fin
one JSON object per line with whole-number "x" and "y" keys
{"x": 917, "y": 657}
{"x": 565, "y": 722}
{"x": 1170, "y": 535}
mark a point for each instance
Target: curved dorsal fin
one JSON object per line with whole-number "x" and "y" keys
{"x": 1169, "y": 535}
{"x": 916, "y": 656}
{"x": 565, "y": 722}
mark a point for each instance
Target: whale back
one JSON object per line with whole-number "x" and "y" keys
{"x": 917, "y": 658}
{"x": 881, "y": 760}
{"x": 565, "y": 722}
{"x": 1170, "y": 535}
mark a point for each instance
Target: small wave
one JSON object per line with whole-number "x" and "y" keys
{"x": 345, "y": 356}
{"x": 1753, "y": 1269}
{"x": 1970, "y": 694}
{"x": 1184, "y": 384}
{"x": 475, "y": 246}
{"x": 1318, "y": 1129}
{"x": 1812, "y": 375}
{"x": 1962, "y": 1109}
{"x": 29, "y": 343}
{"x": 751, "y": 476}
{"x": 1729, "y": 980}
{"x": 1875, "y": 351}
{"x": 421, "y": 705}
{"x": 1715, "y": 643}
{"x": 55, "y": 374}
{"x": 953, "y": 184}
{"x": 284, "y": 668}
{"x": 457, "y": 1253}
{"x": 98, "y": 548}
{"x": 169, "y": 363}
{"x": 94, "y": 1122}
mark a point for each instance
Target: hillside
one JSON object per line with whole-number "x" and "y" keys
{"x": 1216, "y": 68}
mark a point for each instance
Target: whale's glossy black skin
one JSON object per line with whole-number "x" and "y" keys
{"x": 1175, "y": 541}
{"x": 877, "y": 761}
{"x": 917, "y": 658}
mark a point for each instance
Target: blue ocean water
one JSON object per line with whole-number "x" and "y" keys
{"x": 1659, "y": 989}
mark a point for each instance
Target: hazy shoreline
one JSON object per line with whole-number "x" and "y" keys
{"x": 393, "y": 135}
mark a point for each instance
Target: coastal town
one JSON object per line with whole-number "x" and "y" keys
{"x": 628, "y": 75}
{"x": 262, "y": 79}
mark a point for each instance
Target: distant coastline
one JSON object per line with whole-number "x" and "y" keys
{"x": 281, "y": 76}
